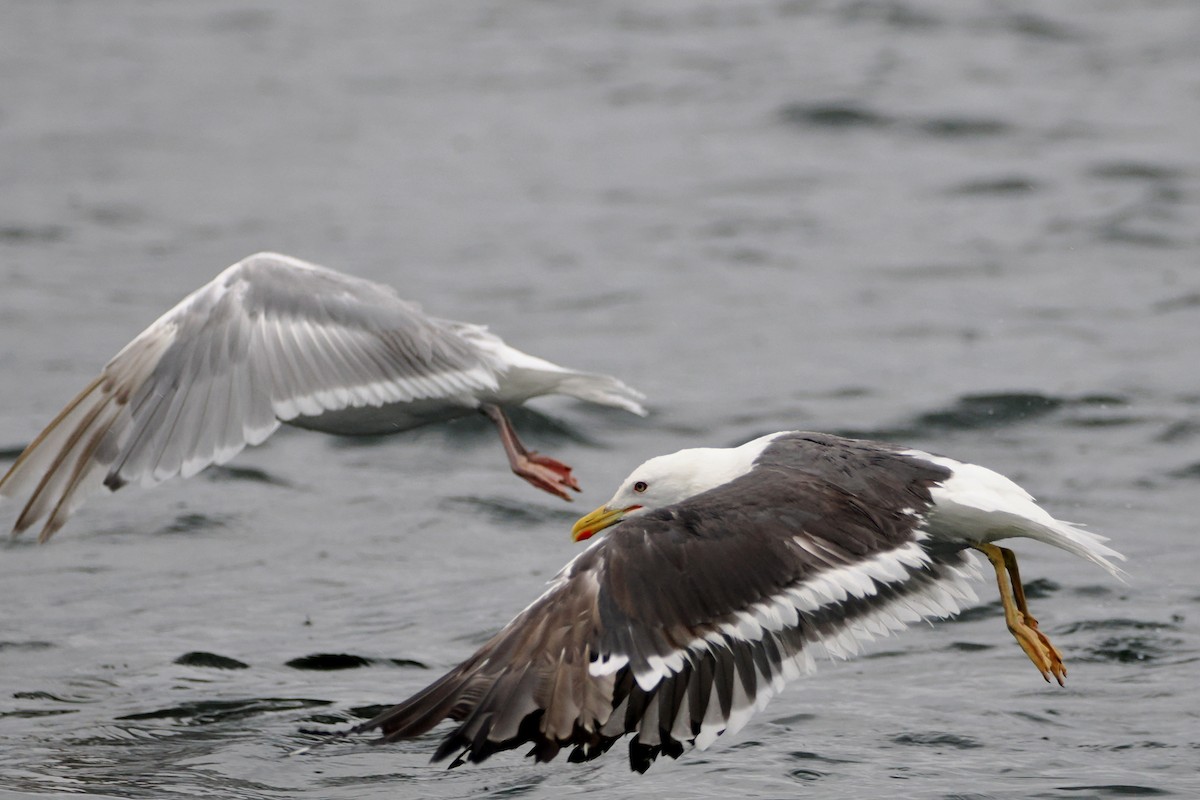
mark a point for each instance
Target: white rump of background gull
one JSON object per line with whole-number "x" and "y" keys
{"x": 275, "y": 339}
{"x": 728, "y": 570}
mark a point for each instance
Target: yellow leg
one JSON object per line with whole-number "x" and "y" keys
{"x": 1021, "y": 623}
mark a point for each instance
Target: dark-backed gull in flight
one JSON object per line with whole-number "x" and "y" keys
{"x": 275, "y": 339}
{"x": 728, "y": 569}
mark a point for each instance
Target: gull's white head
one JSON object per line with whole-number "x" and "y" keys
{"x": 666, "y": 480}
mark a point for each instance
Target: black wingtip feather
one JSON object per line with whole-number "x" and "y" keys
{"x": 641, "y": 756}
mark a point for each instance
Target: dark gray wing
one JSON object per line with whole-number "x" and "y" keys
{"x": 271, "y": 338}
{"x": 679, "y": 623}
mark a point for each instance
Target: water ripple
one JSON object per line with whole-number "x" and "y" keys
{"x": 963, "y": 127}
{"x": 204, "y": 660}
{"x": 1135, "y": 171}
{"x": 11, "y": 452}
{"x": 220, "y": 473}
{"x": 328, "y": 662}
{"x": 194, "y": 522}
{"x": 937, "y": 739}
{"x": 1003, "y": 186}
{"x": 1115, "y": 790}
{"x": 31, "y": 645}
{"x": 36, "y": 234}
{"x": 837, "y": 115}
{"x": 1190, "y": 472}
{"x": 1133, "y": 649}
{"x": 209, "y": 712}
{"x": 508, "y": 511}
{"x": 973, "y": 412}
{"x": 1118, "y": 623}
{"x": 806, "y": 755}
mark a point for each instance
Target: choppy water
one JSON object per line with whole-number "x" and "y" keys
{"x": 969, "y": 226}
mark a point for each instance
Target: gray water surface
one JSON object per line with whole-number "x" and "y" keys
{"x": 967, "y": 226}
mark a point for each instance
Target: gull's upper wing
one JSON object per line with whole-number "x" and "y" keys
{"x": 678, "y": 624}
{"x": 270, "y": 339}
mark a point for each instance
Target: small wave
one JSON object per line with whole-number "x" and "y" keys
{"x": 1037, "y": 589}
{"x": 330, "y": 662}
{"x": 545, "y": 426}
{"x": 506, "y": 511}
{"x": 1036, "y": 26}
{"x": 806, "y": 774}
{"x": 32, "y": 233}
{"x": 847, "y": 114}
{"x": 1135, "y": 171}
{"x": 896, "y": 15}
{"x": 1116, "y": 790}
{"x": 209, "y": 712}
{"x": 795, "y": 719}
{"x": 1134, "y": 649}
{"x": 938, "y": 740}
{"x": 807, "y": 755}
{"x": 1041, "y": 588}
{"x": 204, "y": 660}
{"x": 1129, "y": 231}
{"x": 1118, "y": 624}
{"x": 11, "y": 452}
{"x": 1093, "y": 590}
{"x": 1003, "y": 186}
{"x": 335, "y": 719}
{"x": 527, "y": 784}
{"x": 222, "y": 472}
{"x": 369, "y": 712}
{"x": 976, "y": 411}
{"x": 42, "y": 696}
{"x": 31, "y": 713}
{"x": 31, "y": 645}
{"x": 1181, "y": 431}
{"x": 963, "y": 127}
{"x": 1190, "y": 472}
{"x": 840, "y": 115}
{"x": 1003, "y": 409}
{"x": 192, "y": 522}
{"x": 1183, "y": 302}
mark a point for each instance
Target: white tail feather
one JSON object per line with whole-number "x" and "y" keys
{"x": 603, "y": 389}
{"x": 978, "y": 505}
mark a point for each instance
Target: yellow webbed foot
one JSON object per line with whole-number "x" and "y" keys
{"x": 1024, "y": 628}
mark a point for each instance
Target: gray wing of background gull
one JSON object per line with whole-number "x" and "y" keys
{"x": 275, "y": 339}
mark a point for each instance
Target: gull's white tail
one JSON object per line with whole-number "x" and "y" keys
{"x": 980, "y": 505}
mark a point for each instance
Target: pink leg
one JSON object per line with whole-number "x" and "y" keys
{"x": 543, "y": 472}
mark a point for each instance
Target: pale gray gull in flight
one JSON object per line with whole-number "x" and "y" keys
{"x": 720, "y": 574}
{"x": 275, "y": 339}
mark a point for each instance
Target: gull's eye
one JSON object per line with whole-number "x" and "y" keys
{"x": 640, "y": 487}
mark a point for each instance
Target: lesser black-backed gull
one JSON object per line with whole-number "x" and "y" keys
{"x": 275, "y": 339}
{"x": 727, "y": 570}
